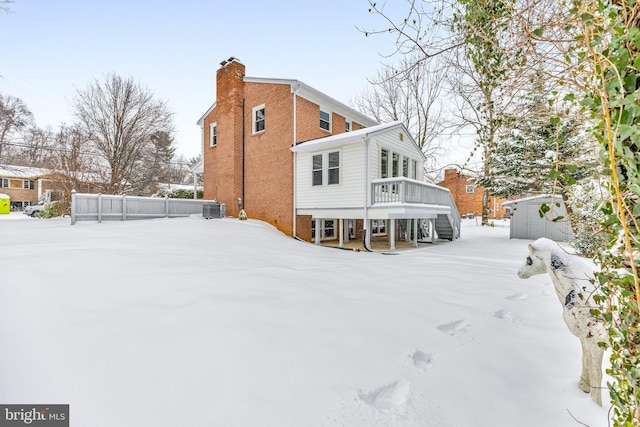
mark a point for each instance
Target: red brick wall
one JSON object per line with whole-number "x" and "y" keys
{"x": 469, "y": 203}
{"x": 223, "y": 163}
{"x": 268, "y": 160}
{"x": 268, "y": 157}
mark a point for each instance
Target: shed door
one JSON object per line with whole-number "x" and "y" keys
{"x": 536, "y": 225}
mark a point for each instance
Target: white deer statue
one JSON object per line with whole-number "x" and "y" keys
{"x": 573, "y": 279}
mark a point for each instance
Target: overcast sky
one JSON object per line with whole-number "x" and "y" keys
{"x": 52, "y": 48}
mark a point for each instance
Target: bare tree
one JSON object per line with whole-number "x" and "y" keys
{"x": 36, "y": 147}
{"x": 410, "y": 93}
{"x": 4, "y": 5}
{"x": 120, "y": 116}
{"x": 14, "y": 116}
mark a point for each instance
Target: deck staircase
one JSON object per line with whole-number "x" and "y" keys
{"x": 444, "y": 227}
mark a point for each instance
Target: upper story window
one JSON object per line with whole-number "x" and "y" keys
{"x": 334, "y": 167}
{"x": 470, "y": 189}
{"x": 384, "y": 163}
{"x": 405, "y": 167}
{"x": 325, "y": 120}
{"x": 213, "y": 134}
{"x": 317, "y": 169}
{"x": 395, "y": 165}
{"x": 326, "y": 168}
{"x": 347, "y": 126}
{"x": 4, "y": 183}
{"x": 414, "y": 169}
{"x": 28, "y": 184}
{"x": 258, "y": 118}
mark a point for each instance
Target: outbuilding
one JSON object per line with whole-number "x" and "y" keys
{"x": 527, "y": 223}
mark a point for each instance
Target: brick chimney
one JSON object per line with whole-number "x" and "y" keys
{"x": 229, "y": 106}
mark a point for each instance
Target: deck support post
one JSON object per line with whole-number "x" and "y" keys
{"x": 392, "y": 234}
{"x": 341, "y": 232}
{"x": 415, "y": 232}
{"x": 318, "y": 231}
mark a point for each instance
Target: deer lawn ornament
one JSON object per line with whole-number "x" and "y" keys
{"x": 573, "y": 281}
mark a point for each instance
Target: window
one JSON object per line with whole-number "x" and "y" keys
{"x": 395, "y": 164}
{"x": 317, "y": 169}
{"x": 347, "y": 126}
{"x": 28, "y": 184}
{"x": 4, "y": 183}
{"x": 325, "y": 120}
{"x": 470, "y": 189}
{"x": 325, "y": 164}
{"x": 384, "y": 163}
{"x": 405, "y": 167}
{"x": 258, "y": 118}
{"x": 378, "y": 226}
{"x": 328, "y": 229}
{"x": 213, "y": 134}
{"x": 414, "y": 169}
{"x": 334, "y": 167}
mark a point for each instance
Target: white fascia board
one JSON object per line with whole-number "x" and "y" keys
{"x": 200, "y": 121}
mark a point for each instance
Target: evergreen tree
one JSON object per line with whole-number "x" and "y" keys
{"x": 540, "y": 154}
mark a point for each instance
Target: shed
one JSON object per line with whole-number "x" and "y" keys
{"x": 526, "y": 222}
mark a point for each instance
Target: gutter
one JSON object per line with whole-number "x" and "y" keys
{"x": 295, "y": 90}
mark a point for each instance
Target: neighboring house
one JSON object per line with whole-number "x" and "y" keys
{"x": 27, "y": 186}
{"x": 468, "y": 196}
{"x": 248, "y": 135}
{"x": 526, "y": 222}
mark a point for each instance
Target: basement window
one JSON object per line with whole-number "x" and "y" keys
{"x": 470, "y": 189}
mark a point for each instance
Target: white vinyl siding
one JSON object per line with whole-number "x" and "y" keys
{"x": 348, "y": 192}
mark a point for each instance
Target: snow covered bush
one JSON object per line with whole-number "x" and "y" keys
{"x": 178, "y": 193}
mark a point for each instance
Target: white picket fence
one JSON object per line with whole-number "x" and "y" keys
{"x": 104, "y": 207}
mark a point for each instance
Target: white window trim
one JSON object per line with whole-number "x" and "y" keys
{"x": 327, "y": 111}
{"x": 325, "y": 167}
{"x": 377, "y": 232}
{"x": 253, "y": 118}
{"x": 322, "y": 229}
{"x": 212, "y": 127}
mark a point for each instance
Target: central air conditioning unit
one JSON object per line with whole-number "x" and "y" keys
{"x": 213, "y": 210}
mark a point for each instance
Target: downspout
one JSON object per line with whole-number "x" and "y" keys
{"x": 242, "y": 192}
{"x": 365, "y": 221}
{"x": 295, "y": 158}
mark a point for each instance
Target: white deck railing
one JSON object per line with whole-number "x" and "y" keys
{"x": 105, "y": 207}
{"x": 405, "y": 190}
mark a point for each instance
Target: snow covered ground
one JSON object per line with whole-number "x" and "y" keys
{"x": 189, "y": 322}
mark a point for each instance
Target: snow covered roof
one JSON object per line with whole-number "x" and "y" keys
{"x": 13, "y": 171}
{"x": 346, "y": 138}
{"x": 510, "y": 203}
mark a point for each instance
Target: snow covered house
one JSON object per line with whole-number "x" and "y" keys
{"x": 526, "y": 222}
{"x": 27, "y": 186}
{"x": 368, "y": 183}
{"x": 248, "y": 162}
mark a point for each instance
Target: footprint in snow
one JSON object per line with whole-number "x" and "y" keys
{"x": 388, "y": 398}
{"x": 517, "y": 297}
{"x": 503, "y": 314}
{"x": 454, "y": 327}
{"x": 423, "y": 361}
